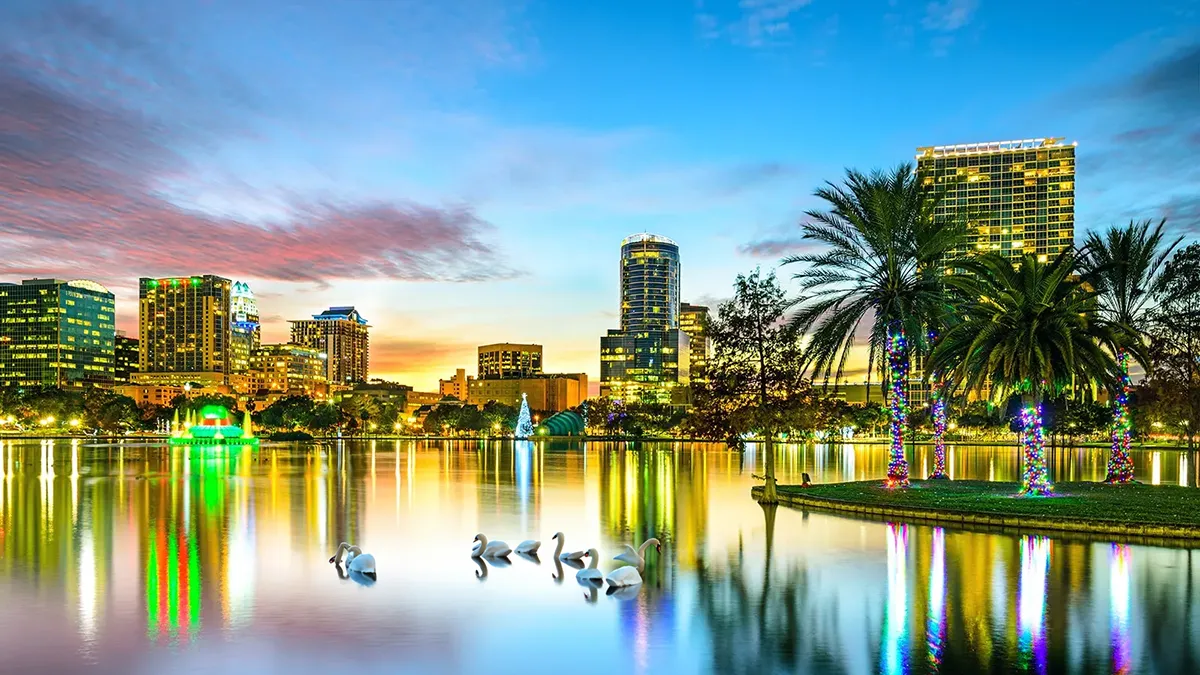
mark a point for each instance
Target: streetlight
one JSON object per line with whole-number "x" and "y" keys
{"x": 47, "y": 420}
{"x": 74, "y": 422}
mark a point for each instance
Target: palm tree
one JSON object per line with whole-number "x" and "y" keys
{"x": 887, "y": 252}
{"x": 1125, "y": 266}
{"x": 1031, "y": 329}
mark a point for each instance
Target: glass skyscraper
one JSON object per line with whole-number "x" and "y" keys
{"x": 647, "y": 358}
{"x": 649, "y": 283}
{"x": 244, "y": 334}
{"x": 56, "y": 333}
{"x": 1020, "y": 195}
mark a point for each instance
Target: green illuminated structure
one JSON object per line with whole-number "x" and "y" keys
{"x": 212, "y": 427}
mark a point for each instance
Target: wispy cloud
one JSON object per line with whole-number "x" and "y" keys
{"x": 97, "y": 119}
{"x": 775, "y": 248}
{"x": 752, "y": 23}
{"x": 949, "y": 15}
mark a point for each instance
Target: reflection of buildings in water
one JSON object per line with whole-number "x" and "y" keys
{"x": 655, "y": 491}
{"x": 515, "y": 468}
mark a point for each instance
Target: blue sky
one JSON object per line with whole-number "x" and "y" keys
{"x": 464, "y": 171}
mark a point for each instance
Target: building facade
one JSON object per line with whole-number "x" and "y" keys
{"x": 289, "y": 369}
{"x": 57, "y": 333}
{"x": 1019, "y": 195}
{"x": 693, "y": 320}
{"x": 649, "y": 366}
{"x": 342, "y": 334}
{"x": 647, "y": 359}
{"x": 245, "y": 333}
{"x": 184, "y": 325}
{"x": 507, "y": 359}
{"x": 546, "y": 392}
{"x": 649, "y": 283}
{"x": 458, "y": 386}
{"x": 125, "y": 350}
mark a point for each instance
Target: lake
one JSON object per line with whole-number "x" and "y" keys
{"x": 135, "y": 558}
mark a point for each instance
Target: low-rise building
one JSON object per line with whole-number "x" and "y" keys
{"x": 547, "y": 392}
{"x": 458, "y": 386}
{"x": 150, "y": 394}
{"x": 289, "y": 369}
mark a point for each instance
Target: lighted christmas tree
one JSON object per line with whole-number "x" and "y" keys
{"x": 524, "y": 422}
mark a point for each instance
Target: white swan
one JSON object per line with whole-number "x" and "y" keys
{"x": 486, "y": 549}
{"x": 572, "y": 555}
{"x": 638, "y": 558}
{"x": 356, "y": 560}
{"x": 591, "y": 574}
{"x": 528, "y": 547}
{"x": 624, "y": 576}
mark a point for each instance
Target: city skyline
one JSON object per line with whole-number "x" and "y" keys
{"x": 477, "y": 193}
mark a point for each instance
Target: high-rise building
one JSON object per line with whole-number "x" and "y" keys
{"x": 341, "y": 333}
{"x": 244, "y": 332}
{"x": 56, "y": 333}
{"x": 693, "y": 320}
{"x": 647, "y": 359}
{"x": 184, "y": 327}
{"x": 649, "y": 283}
{"x": 1019, "y": 195}
{"x": 289, "y": 369}
{"x": 509, "y": 360}
{"x": 458, "y": 386}
{"x": 126, "y": 353}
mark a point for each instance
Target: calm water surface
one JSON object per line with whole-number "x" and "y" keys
{"x": 134, "y": 558}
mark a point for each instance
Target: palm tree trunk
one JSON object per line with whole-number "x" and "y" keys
{"x": 939, "y": 431}
{"x": 897, "y": 351}
{"x": 1036, "y": 478}
{"x": 1120, "y": 465}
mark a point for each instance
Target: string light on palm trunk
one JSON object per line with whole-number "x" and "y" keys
{"x": 1120, "y": 465}
{"x": 897, "y": 352}
{"x": 1036, "y": 480}
{"x": 939, "y": 432}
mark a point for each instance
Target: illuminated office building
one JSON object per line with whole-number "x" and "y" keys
{"x": 56, "y": 333}
{"x": 693, "y": 320}
{"x": 647, "y": 359}
{"x": 649, "y": 283}
{"x": 288, "y": 369}
{"x": 1020, "y": 195}
{"x": 244, "y": 332}
{"x": 509, "y": 360}
{"x": 126, "y": 352}
{"x": 184, "y": 326}
{"x": 341, "y": 333}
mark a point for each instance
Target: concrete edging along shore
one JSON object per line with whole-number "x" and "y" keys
{"x": 1075, "y": 525}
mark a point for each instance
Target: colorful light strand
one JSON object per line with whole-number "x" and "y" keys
{"x": 939, "y": 432}
{"x": 897, "y": 352}
{"x": 1120, "y": 465}
{"x": 1036, "y": 476}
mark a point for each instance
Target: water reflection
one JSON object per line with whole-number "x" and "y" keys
{"x": 112, "y": 555}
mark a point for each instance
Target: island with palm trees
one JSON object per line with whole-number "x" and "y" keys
{"x": 896, "y": 271}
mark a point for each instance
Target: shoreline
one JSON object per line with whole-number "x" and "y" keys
{"x": 949, "y": 502}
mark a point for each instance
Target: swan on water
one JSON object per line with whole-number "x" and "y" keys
{"x": 591, "y": 574}
{"x": 638, "y": 558}
{"x": 529, "y": 547}
{"x": 571, "y": 555}
{"x": 356, "y": 560}
{"x": 624, "y": 576}
{"x": 489, "y": 549}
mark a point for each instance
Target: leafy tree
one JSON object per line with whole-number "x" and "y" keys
{"x": 1125, "y": 265}
{"x": 755, "y": 365}
{"x": 887, "y": 249}
{"x": 290, "y": 412}
{"x": 1175, "y": 342}
{"x": 117, "y": 413}
{"x": 1030, "y": 329}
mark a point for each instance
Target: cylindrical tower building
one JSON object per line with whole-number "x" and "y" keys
{"x": 649, "y": 283}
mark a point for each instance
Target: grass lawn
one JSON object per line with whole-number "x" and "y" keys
{"x": 1135, "y": 504}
